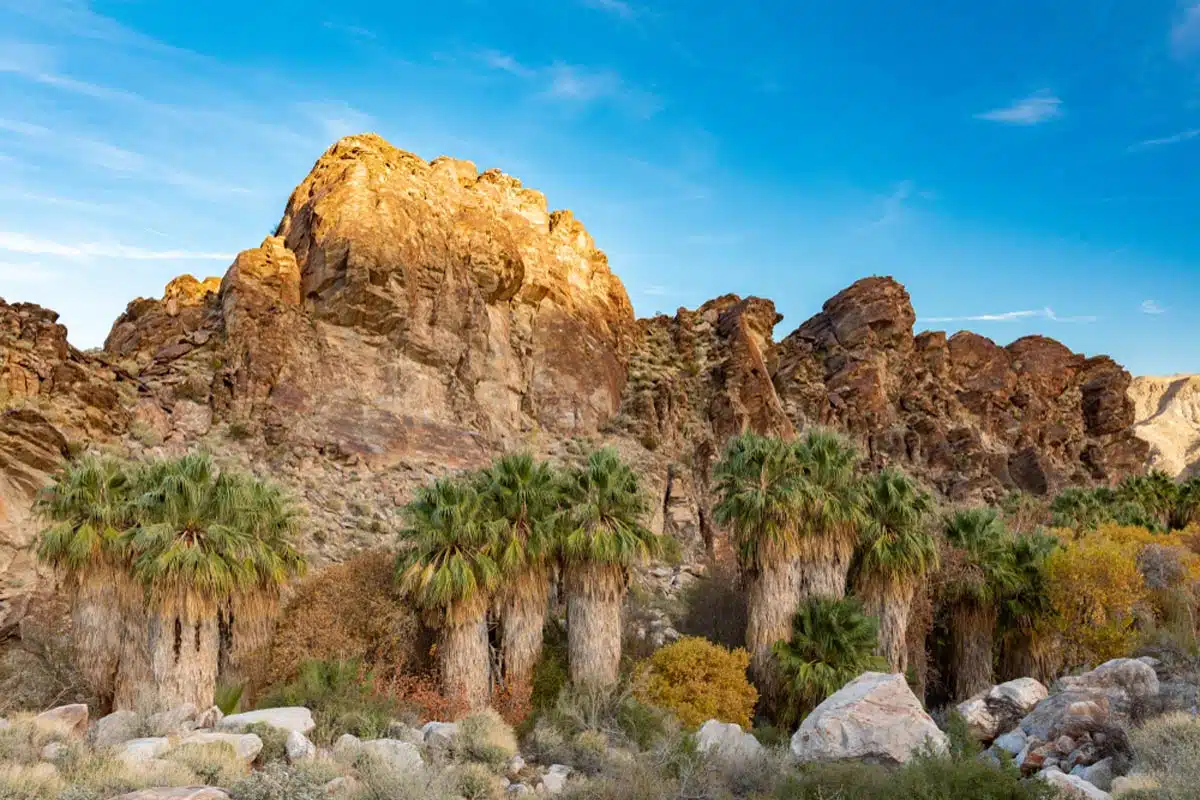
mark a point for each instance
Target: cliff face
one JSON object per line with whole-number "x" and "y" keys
{"x": 1168, "y": 419}
{"x": 414, "y": 318}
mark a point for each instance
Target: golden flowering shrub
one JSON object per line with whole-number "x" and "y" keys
{"x": 698, "y": 681}
{"x": 1095, "y": 588}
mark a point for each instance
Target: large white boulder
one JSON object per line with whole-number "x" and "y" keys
{"x": 299, "y": 748}
{"x": 1135, "y": 678}
{"x": 294, "y": 718}
{"x": 875, "y": 718}
{"x": 728, "y": 741}
{"x": 998, "y": 710}
{"x": 1020, "y": 695}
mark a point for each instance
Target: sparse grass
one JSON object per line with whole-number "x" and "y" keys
{"x": 216, "y": 763}
{"x": 1168, "y": 749}
{"x": 280, "y": 782}
{"x": 485, "y": 738}
{"x": 274, "y": 742}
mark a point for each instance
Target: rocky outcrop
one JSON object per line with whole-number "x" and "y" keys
{"x": 411, "y": 318}
{"x": 53, "y": 399}
{"x": 1167, "y": 412}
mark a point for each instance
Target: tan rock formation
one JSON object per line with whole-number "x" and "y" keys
{"x": 414, "y": 318}
{"x": 1168, "y": 418}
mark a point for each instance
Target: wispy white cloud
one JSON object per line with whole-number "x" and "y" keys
{"x": 336, "y": 120}
{"x": 353, "y": 31}
{"x": 109, "y": 157}
{"x": 30, "y": 245}
{"x": 1039, "y": 107}
{"x": 1182, "y": 136}
{"x": 1151, "y": 307}
{"x": 575, "y": 85}
{"x": 1185, "y": 33}
{"x": 658, "y": 291}
{"x": 1011, "y": 316}
{"x": 26, "y": 273}
{"x": 506, "y": 63}
{"x": 618, "y": 8}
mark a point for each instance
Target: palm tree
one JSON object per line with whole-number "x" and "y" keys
{"x": 832, "y": 643}
{"x": 978, "y": 573}
{"x": 1155, "y": 491}
{"x": 760, "y": 492}
{"x": 521, "y": 501}
{"x": 88, "y": 510}
{"x": 602, "y": 537}
{"x": 1026, "y": 644}
{"x": 831, "y": 513}
{"x": 203, "y": 540}
{"x": 895, "y": 552}
{"x": 1186, "y": 510}
{"x": 449, "y": 572}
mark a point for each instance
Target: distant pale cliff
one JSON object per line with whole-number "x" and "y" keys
{"x": 1168, "y": 418}
{"x": 413, "y": 318}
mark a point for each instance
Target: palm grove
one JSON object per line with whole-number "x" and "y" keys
{"x": 175, "y": 570}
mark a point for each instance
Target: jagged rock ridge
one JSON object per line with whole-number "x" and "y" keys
{"x": 414, "y": 318}
{"x": 1168, "y": 418}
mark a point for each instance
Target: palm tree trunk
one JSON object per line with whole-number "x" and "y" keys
{"x": 920, "y": 623}
{"x": 1027, "y": 654}
{"x": 523, "y": 617}
{"x": 824, "y": 568}
{"x": 595, "y": 593}
{"x": 96, "y": 627}
{"x": 971, "y": 630}
{"x": 464, "y": 662}
{"x": 772, "y": 598}
{"x": 890, "y": 602}
{"x": 183, "y": 647}
{"x": 247, "y": 624}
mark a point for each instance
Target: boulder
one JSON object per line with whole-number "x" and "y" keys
{"x": 346, "y": 748}
{"x": 728, "y": 741}
{"x": 296, "y": 718}
{"x": 1133, "y": 678}
{"x": 138, "y": 750}
{"x": 54, "y": 751}
{"x": 247, "y": 746}
{"x": 344, "y": 786}
{"x": 63, "y": 721}
{"x": 1070, "y": 713}
{"x": 115, "y": 728}
{"x": 439, "y": 734}
{"x": 1012, "y": 742}
{"x": 998, "y": 710}
{"x": 982, "y": 724}
{"x": 874, "y": 718}
{"x": 174, "y": 721}
{"x": 299, "y": 748}
{"x": 401, "y": 756}
{"x": 1072, "y": 786}
{"x": 555, "y": 779}
{"x": 179, "y": 793}
{"x": 210, "y": 717}
{"x": 1099, "y": 774}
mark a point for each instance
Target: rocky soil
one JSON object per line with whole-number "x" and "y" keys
{"x": 412, "y": 318}
{"x": 1168, "y": 418}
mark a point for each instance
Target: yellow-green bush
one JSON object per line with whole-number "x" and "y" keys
{"x": 697, "y": 681}
{"x": 1095, "y": 588}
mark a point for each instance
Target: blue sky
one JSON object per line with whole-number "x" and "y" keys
{"x": 1022, "y": 166}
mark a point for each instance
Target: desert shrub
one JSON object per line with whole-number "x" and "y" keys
{"x": 215, "y": 763}
{"x": 962, "y": 744}
{"x": 349, "y": 612}
{"x": 697, "y": 681}
{"x": 715, "y": 608}
{"x": 280, "y": 782}
{"x": 1168, "y": 748}
{"x": 30, "y": 782}
{"x": 484, "y": 737}
{"x": 1095, "y": 587}
{"x": 274, "y": 742}
{"x": 99, "y": 775}
{"x": 474, "y": 782}
{"x": 381, "y": 781}
{"x": 342, "y": 697}
{"x": 920, "y": 779}
{"x": 585, "y": 726}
